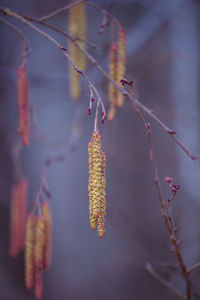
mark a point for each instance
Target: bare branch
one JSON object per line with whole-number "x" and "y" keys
{"x": 58, "y": 11}
{"x": 92, "y": 88}
{"x": 193, "y": 268}
{"x": 26, "y": 49}
{"x": 163, "y": 281}
{"x": 145, "y": 109}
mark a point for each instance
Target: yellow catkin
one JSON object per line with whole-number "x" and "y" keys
{"x": 97, "y": 161}
{"x": 46, "y": 212}
{"x": 39, "y": 255}
{"x": 112, "y": 92}
{"x": 101, "y": 219}
{"x": 78, "y": 28}
{"x": 96, "y": 185}
{"x": 29, "y": 251}
{"x": 93, "y": 219}
{"x": 121, "y": 64}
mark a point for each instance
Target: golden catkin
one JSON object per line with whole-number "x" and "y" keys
{"x": 39, "y": 254}
{"x": 29, "y": 251}
{"x": 121, "y": 64}
{"x": 96, "y": 184}
{"x": 78, "y": 28}
{"x": 93, "y": 219}
{"x": 112, "y": 91}
{"x": 23, "y": 105}
{"x": 17, "y": 217}
{"x": 39, "y": 242}
{"x": 46, "y": 212}
{"x": 101, "y": 219}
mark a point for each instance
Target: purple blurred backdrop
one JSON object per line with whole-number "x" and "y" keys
{"x": 163, "y": 46}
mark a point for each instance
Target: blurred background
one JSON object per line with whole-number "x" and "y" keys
{"x": 163, "y": 46}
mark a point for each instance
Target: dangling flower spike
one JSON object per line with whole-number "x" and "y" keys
{"x": 121, "y": 64}
{"x": 78, "y": 28}
{"x": 97, "y": 182}
{"x": 112, "y": 91}
{"x": 23, "y": 104}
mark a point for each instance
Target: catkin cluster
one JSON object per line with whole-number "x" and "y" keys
{"x": 96, "y": 184}
{"x": 38, "y": 249}
{"x": 23, "y": 105}
{"x": 117, "y": 69}
{"x": 78, "y": 28}
{"x": 18, "y": 216}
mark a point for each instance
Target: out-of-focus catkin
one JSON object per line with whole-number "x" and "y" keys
{"x": 18, "y": 216}
{"x": 121, "y": 64}
{"x": 23, "y": 104}
{"x": 78, "y": 28}
{"x": 39, "y": 242}
{"x": 112, "y": 91}
{"x": 46, "y": 212}
{"x": 38, "y": 284}
{"x": 29, "y": 251}
{"x": 39, "y": 255}
{"x": 96, "y": 184}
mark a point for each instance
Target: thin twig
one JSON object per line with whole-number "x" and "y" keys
{"x": 193, "y": 268}
{"x": 105, "y": 13}
{"x": 163, "y": 281}
{"x": 167, "y": 221}
{"x": 10, "y": 13}
{"x": 61, "y": 9}
{"x": 25, "y": 45}
{"x": 144, "y": 108}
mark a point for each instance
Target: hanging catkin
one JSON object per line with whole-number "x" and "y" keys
{"x": 101, "y": 219}
{"x": 29, "y": 251}
{"x": 112, "y": 91}
{"x": 121, "y": 64}
{"x": 78, "y": 28}
{"x": 39, "y": 255}
{"x": 96, "y": 184}
{"x": 18, "y": 216}
{"x": 46, "y": 212}
{"x": 23, "y": 104}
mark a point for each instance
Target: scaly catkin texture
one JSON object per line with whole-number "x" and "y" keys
{"x": 23, "y": 105}
{"x": 101, "y": 219}
{"x": 96, "y": 184}
{"x": 17, "y": 217}
{"x": 46, "y": 212}
{"x": 39, "y": 255}
{"x": 121, "y": 64}
{"x": 93, "y": 219}
{"x": 29, "y": 251}
{"x": 112, "y": 91}
{"x": 78, "y": 28}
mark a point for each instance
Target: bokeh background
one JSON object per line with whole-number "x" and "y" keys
{"x": 163, "y": 46}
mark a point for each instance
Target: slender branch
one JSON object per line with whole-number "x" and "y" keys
{"x": 167, "y": 221}
{"x": 39, "y": 189}
{"x": 58, "y": 11}
{"x": 96, "y": 117}
{"x": 163, "y": 281}
{"x": 105, "y": 13}
{"x": 193, "y": 268}
{"x": 10, "y": 13}
{"x": 144, "y": 108}
{"x": 25, "y": 45}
